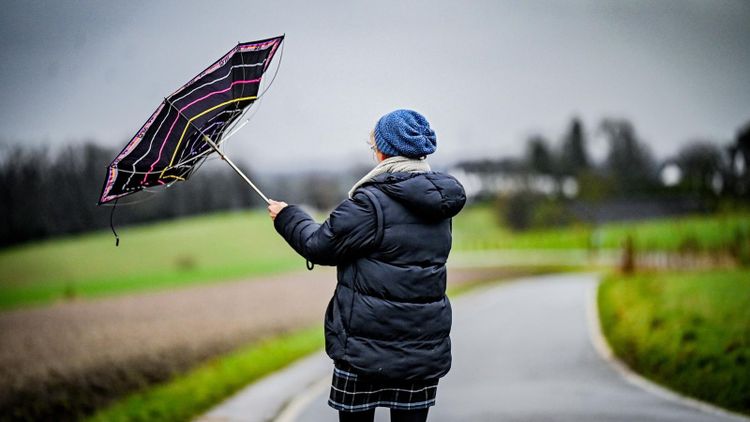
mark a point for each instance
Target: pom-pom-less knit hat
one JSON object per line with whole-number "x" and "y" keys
{"x": 405, "y": 133}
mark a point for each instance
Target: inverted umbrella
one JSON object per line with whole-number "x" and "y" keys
{"x": 191, "y": 123}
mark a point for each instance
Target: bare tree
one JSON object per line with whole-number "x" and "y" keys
{"x": 701, "y": 162}
{"x": 539, "y": 156}
{"x": 629, "y": 161}
{"x": 573, "y": 156}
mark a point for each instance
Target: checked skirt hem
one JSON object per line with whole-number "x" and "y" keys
{"x": 352, "y": 392}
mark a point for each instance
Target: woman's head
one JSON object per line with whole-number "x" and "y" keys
{"x": 405, "y": 133}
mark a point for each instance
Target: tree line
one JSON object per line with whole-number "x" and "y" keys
{"x": 701, "y": 167}
{"x": 701, "y": 175}
{"x": 44, "y": 194}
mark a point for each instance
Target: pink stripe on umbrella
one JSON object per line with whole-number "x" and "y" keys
{"x": 161, "y": 148}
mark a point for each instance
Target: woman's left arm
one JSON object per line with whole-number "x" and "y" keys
{"x": 349, "y": 230}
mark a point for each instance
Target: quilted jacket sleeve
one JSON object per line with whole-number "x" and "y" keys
{"x": 348, "y": 232}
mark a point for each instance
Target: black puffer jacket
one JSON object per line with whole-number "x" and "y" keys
{"x": 389, "y": 316}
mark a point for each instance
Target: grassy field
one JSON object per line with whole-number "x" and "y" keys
{"x": 478, "y": 228}
{"x": 688, "y": 331}
{"x": 195, "y": 392}
{"x": 168, "y": 254}
{"x": 234, "y": 245}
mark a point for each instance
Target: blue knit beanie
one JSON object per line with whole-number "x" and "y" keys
{"x": 405, "y": 133}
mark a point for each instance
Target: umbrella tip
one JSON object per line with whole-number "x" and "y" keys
{"x": 112, "y": 224}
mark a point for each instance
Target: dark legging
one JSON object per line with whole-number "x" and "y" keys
{"x": 397, "y": 415}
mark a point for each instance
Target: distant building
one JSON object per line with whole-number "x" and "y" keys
{"x": 487, "y": 178}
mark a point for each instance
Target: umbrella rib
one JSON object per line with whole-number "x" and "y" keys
{"x": 191, "y": 144}
{"x": 218, "y": 151}
{"x": 259, "y": 97}
{"x": 190, "y": 120}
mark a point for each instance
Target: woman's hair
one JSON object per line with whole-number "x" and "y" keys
{"x": 374, "y": 145}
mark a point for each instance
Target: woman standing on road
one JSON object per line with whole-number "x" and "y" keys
{"x": 387, "y": 326}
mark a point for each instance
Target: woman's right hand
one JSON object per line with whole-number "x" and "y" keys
{"x": 275, "y": 207}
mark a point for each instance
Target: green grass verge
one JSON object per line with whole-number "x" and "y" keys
{"x": 197, "y": 391}
{"x": 477, "y": 228}
{"x": 687, "y": 331}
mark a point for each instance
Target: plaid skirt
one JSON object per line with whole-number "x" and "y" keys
{"x": 352, "y": 392}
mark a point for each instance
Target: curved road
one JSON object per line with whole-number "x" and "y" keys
{"x": 522, "y": 351}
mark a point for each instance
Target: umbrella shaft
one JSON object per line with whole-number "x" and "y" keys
{"x": 234, "y": 167}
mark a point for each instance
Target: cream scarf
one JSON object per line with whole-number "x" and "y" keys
{"x": 393, "y": 165}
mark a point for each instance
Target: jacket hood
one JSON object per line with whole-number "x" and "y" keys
{"x": 434, "y": 195}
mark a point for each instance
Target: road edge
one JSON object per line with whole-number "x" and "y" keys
{"x": 603, "y": 349}
{"x": 270, "y": 397}
{"x": 293, "y": 408}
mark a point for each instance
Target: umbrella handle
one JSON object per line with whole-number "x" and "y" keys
{"x": 234, "y": 167}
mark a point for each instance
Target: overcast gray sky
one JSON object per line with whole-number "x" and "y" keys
{"x": 486, "y": 74}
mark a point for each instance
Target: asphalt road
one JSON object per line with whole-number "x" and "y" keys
{"x": 522, "y": 351}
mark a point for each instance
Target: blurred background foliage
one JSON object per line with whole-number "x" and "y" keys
{"x": 45, "y": 194}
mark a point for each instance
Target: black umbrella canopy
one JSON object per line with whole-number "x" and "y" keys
{"x": 172, "y": 143}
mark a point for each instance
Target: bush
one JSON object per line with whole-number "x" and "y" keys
{"x": 527, "y": 210}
